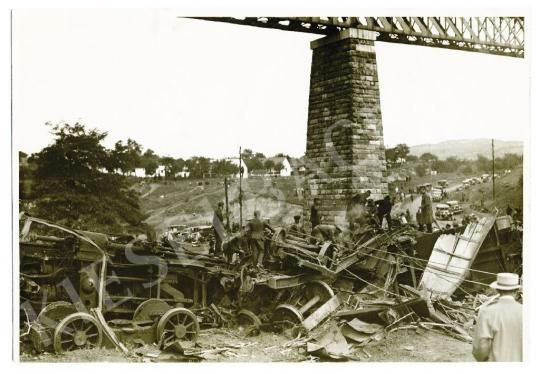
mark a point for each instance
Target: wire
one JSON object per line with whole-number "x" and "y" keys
{"x": 371, "y": 284}
{"x": 404, "y": 255}
{"x": 447, "y": 277}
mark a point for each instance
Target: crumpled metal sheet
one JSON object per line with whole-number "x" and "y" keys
{"x": 331, "y": 344}
{"x": 361, "y": 332}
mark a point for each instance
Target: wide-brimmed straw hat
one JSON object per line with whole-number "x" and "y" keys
{"x": 506, "y": 282}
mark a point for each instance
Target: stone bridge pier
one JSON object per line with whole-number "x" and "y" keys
{"x": 345, "y": 149}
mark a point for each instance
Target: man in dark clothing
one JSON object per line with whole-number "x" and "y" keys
{"x": 427, "y": 210}
{"x": 255, "y": 233}
{"x": 509, "y": 211}
{"x": 314, "y": 217}
{"x": 384, "y": 207}
{"x": 296, "y": 228}
{"x": 219, "y": 229}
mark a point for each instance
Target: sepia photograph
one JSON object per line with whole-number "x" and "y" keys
{"x": 201, "y": 187}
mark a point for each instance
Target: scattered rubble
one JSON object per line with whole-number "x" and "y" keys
{"x": 332, "y": 300}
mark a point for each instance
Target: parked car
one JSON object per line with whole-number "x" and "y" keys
{"x": 442, "y": 183}
{"x": 455, "y": 208}
{"x": 436, "y": 194}
{"x": 442, "y": 212}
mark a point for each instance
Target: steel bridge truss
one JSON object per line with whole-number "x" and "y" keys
{"x": 493, "y": 35}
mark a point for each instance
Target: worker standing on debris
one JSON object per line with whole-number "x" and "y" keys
{"x": 384, "y": 207}
{"x": 499, "y": 328}
{"x": 314, "y": 218}
{"x": 255, "y": 233}
{"x": 427, "y": 210}
{"x": 296, "y": 228}
{"x": 219, "y": 229}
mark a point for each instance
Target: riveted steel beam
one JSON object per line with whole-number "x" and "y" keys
{"x": 493, "y": 35}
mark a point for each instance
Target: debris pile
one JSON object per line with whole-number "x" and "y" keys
{"x": 332, "y": 293}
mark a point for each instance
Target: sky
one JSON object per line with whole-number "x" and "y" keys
{"x": 187, "y": 87}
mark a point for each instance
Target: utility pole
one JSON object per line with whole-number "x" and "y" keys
{"x": 226, "y": 182}
{"x": 493, "y": 167}
{"x": 240, "y": 173}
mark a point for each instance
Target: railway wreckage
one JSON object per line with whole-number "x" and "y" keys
{"x": 82, "y": 289}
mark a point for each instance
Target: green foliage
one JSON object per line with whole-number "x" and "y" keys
{"x": 269, "y": 165}
{"x": 483, "y": 164}
{"x": 70, "y": 187}
{"x": 391, "y": 155}
{"x": 128, "y": 156}
{"x": 466, "y": 169}
{"x": 224, "y": 168}
{"x": 149, "y": 161}
{"x": 428, "y": 157}
{"x": 401, "y": 150}
{"x": 199, "y": 167}
{"x": 420, "y": 170}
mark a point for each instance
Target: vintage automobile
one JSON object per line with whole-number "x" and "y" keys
{"x": 436, "y": 194}
{"x": 442, "y": 212}
{"x": 455, "y": 208}
{"x": 443, "y": 183}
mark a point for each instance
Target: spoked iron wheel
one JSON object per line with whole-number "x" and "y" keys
{"x": 176, "y": 325}
{"x": 77, "y": 331}
{"x": 247, "y": 318}
{"x": 150, "y": 309}
{"x": 286, "y": 316}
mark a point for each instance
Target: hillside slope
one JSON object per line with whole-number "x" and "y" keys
{"x": 192, "y": 202}
{"x": 468, "y": 148}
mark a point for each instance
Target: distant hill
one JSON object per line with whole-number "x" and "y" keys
{"x": 468, "y": 148}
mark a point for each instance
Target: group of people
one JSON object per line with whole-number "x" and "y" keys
{"x": 498, "y": 333}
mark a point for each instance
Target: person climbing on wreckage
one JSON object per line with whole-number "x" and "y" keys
{"x": 255, "y": 234}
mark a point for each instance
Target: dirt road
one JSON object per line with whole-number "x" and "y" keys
{"x": 229, "y": 345}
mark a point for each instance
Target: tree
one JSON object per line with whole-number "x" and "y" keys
{"x": 247, "y": 153}
{"x": 420, "y": 170}
{"x": 170, "y": 166}
{"x": 428, "y": 157}
{"x": 72, "y": 188}
{"x": 199, "y": 167}
{"x": 269, "y": 165}
{"x": 128, "y": 156}
{"x": 411, "y": 158}
{"x": 150, "y": 162}
{"x": 391, "y": 155}
{"x": 483, "y": 164}
{"x": 401, "y": 151}
{"x": 260, "y": 155}
{"x": 224, "y": 167}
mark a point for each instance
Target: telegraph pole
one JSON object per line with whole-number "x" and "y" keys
{"x": 493, "y": 167}
{"x": 226, "y": 182}
{"x": 240, "y": 173}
